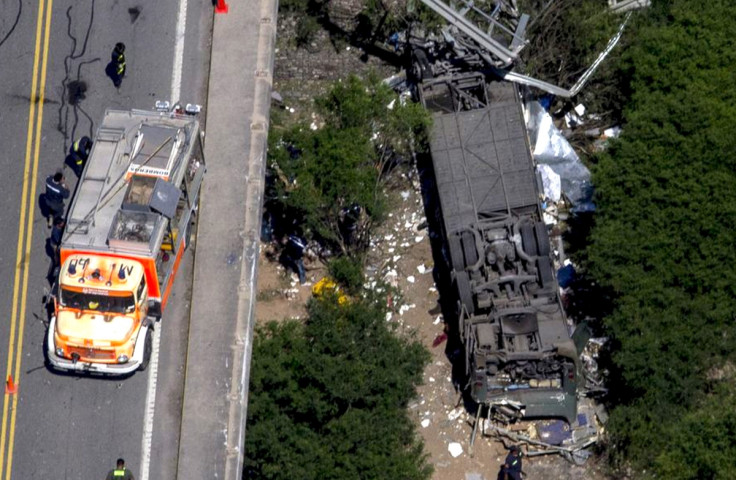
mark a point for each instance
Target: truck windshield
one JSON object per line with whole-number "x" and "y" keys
{"x": 96, "y": 302}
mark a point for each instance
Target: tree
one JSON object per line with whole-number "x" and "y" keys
{"x": 662, "y": 245}
{"x": 323, "y": 175}
{"x": 328, "y": 398}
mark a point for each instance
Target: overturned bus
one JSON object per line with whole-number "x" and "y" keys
{"x": 520, "y": 359}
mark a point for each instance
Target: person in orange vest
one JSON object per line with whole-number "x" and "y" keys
{"x": 120, "y": 472}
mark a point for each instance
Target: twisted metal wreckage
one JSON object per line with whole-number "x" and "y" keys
{"x": 525, "y": 359}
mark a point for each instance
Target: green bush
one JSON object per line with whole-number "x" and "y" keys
{"x": 321, "y": 173}
{"x": 328, "y": 398}
{"x": 306, "y": 28}
{"x": 662, "y": 245}
{"x": 348, "y": 272}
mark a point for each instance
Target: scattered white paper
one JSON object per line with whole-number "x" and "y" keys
{"x": 455, "y": 449}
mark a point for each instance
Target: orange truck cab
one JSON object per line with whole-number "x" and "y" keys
{"x": 127, "y": 229}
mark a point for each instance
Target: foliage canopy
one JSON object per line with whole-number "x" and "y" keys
{"x": 663, "y": 245}
{"x": 323, "y": 172}
{"x": 328, "y": 398}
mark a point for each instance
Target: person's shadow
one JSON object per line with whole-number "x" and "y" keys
{"x": 111, "y": 70}
{"x": 43, "y": 206}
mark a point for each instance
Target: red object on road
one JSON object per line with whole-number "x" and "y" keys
{"x": 439, "y": 339}
{"x": 221, "y": 6}
{"x": 10, "y": 386}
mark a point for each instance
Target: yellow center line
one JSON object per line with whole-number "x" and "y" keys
{"x": 25, "y": 226}
{"x": 29, "y": 236}
{"x": 20, "y": 261}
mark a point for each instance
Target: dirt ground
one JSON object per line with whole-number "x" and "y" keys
{"x": 402, "y": 254}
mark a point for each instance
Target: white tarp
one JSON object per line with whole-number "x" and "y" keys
{"x": 551, "y": 182}
{"x": 552, "y": 149}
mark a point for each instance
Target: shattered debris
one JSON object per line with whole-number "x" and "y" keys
{"x": 455, "y": 449}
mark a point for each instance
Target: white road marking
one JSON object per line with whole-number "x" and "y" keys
{"x": 181, "y": 27}
{"x": 150, "y": 405}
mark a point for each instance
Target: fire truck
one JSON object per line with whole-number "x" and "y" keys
{"x": 126, "y": 231}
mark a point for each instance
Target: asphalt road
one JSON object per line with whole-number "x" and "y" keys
{"x": 53, "y": 86}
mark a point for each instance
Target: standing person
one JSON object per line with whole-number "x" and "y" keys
{"x": 118, "y": 61}
{"x": 53, "y": 248}
{"x": 511, "y": 468}
{"x": 294, "y": 255}
{"x": 57, "y": 232}
{"x": 56, "y": 193}
{"x": 120, "y": 472}
{"x": 79, "y": 152}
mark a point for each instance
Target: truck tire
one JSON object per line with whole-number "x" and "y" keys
{"x": 465, "y": 294}
{"x": 540, "y": 231}
{"x": 456, "y": 253}
{"x": 471, "y": 252}
{"x": 188, "y": 233}
{"x": 544, "y": 271}
{"x": 528, "y": 241}
{"x": 147, "y": 350}
{"x": 421, "y": 69}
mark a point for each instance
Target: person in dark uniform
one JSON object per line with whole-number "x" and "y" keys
{"x": 79, "y": 152}
{"x": 120, "y": 472}
{"x": 118, "y": 61}
{"x": 56, "y": 193}
{"x": 511, "y": 468}
{"x": 294, "y": 255}
{"x": 53, "y": 248}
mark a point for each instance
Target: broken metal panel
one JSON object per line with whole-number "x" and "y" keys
{"x": 621, "y": 6}
{"x": 497, "y": 48}
{"x": 575, "y": 89}
{"x": 503, "y": 39}
{"x": 572, "y": 440}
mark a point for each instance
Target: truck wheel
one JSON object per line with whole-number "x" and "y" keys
{"x": 147, "y": 351}
{"x": 420, "y": 66}
{"x": 527, "y": 240}
{"x": 544, "y": 270}
{"x": 540, "y": 231}
{"x": 188, "y": 232}
{"x": 465, "y": 294}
